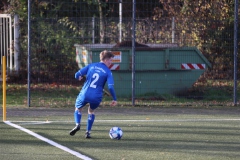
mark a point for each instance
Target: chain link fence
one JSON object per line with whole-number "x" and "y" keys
{"x": 183, "y": 53}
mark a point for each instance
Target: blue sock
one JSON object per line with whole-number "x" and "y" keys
{"x": 91, "y": 118}
{"x": 77, "y": 117}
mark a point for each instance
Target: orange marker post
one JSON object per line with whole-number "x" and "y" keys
{"x": 4, "y": 87}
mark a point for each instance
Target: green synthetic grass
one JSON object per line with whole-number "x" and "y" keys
{"x": 146, "y": 137}
{"x": 18, "y": 145}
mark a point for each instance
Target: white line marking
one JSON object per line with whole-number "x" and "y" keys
{"x": 170, "y": 120}
{"x": 133, "y": 120}
{"x": 33, "y": 122}
{"x": 49, "y": 141}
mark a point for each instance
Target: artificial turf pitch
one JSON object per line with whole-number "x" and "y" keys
{"x": 146, "y": 136}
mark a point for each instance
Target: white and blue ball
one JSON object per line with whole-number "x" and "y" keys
{"x": 116, "y": 133}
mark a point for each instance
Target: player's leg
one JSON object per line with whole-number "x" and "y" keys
{"x": 77, "y": 118}
{"x": 91, "y": 118}
{"x": 77, "y": 115}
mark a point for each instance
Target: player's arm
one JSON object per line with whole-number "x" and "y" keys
{"x": 80, "y": 73}
{"x": 111, "y": 89}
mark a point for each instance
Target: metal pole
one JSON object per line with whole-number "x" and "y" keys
{"x": 16, "y": 42}
{"x": 10, "y": 44}
{"x": 1, "y": 38}
{"x": 93, "y": 31}
{"x": 133, "y": 50}
{"x": 235, "y": 50}
{"x": 120, "y": 20}
{"x": 29, "y": 49}
{"x": 173, "y": 29}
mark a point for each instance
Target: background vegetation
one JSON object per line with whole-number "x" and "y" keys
{"x": 59, "y": 24}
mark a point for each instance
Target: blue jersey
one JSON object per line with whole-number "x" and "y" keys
{"x": 97, "y": 74}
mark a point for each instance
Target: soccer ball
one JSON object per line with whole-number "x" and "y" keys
{"x": 116, "y": 133}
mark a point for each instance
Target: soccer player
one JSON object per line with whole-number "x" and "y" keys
{"x": 97, "y": 74}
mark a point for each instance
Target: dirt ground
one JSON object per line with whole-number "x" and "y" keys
{"x": 39, "y": 112}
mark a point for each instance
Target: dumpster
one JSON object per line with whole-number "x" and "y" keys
{"x": 158, "y": 69}
{"x": 84, "y": 53}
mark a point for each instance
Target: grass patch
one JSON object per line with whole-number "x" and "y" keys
{"x": 52, "y": 95}
{"x": 16, "y": 144}
{"x": 146, "y": 137}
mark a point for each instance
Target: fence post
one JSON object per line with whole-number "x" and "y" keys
{"x": 133, "y": 50}
{"x": 29, "y": 51}
{"x": 235, "y": 51}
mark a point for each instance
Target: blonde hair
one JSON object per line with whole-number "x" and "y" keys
{"x": 106, "y": 55}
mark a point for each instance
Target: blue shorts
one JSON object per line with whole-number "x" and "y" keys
{"x": 81, "y": 103}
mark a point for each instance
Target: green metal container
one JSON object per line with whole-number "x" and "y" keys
{"x": 160, "y": 70}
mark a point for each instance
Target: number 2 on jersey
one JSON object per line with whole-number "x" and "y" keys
{"x": 95, "y": 79}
